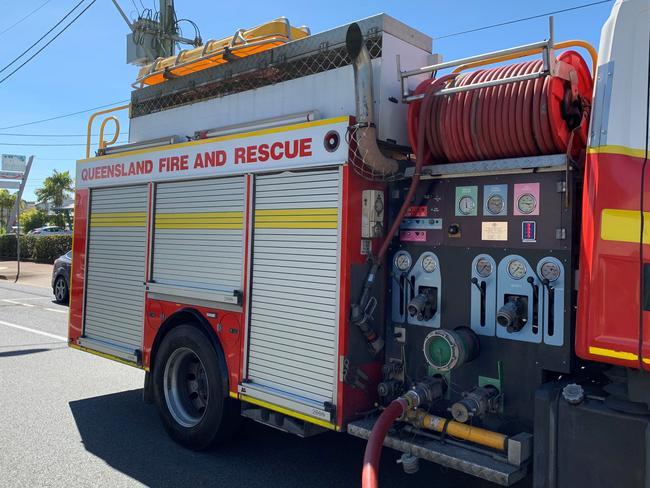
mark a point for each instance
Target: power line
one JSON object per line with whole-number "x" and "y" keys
{"x": 56, "y": 117}
{"x": 25, "y": 17}
{"x": 48, "y": 42}
{"x": 50, "y": 135}
{"x": 523, "y": 19}
{"x": 42, "y": 37}
{"x": 3, "y": 143}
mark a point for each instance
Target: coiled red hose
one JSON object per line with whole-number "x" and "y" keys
{"x": 372, "y": 455}
{"x": 526, "y": 118}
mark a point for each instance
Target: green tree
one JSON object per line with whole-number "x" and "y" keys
{"x": 55, "y": 190}
{"x": 7, "y": 201}
{"x": 32, "y": 219}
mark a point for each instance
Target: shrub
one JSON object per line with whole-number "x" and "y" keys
{"x": 43, "y": 249}
{"x": 46, "y": 249}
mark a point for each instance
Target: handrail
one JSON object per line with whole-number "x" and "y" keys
{"x": 92, "y": 119}
{"x": 102, "y": 142}
{"x": 558, "y": 45}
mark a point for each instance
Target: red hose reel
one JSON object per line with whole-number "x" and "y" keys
{"x": 524, "y": 118}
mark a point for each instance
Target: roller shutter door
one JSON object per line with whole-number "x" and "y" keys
{"x": 293, "y": 319}
{"x": 114, "y": 310}
{"x": 199, "y": 236}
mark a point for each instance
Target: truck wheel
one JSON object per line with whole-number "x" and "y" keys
{"x": 189, "y": 390}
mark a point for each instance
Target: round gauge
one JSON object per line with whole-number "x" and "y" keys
{"x": 550, "y": 271}
{"x": 517, "y": 269}
{"x": 429, "y": 264}
{"x": 483, "y": 267}
{"x": 466, "y": 205}
{"x": 495, "y": 204}
{"x": 526, "y": 203}
{"x": 403, "y": 261}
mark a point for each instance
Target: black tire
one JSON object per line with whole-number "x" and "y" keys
{"x": 190, "y": 395}
{"x": 61, "y": 290}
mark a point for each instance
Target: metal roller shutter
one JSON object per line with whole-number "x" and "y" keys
{"x": 117, "y": 243}
{"x": 198, "y": 236}
{"x": 294, "y": 307}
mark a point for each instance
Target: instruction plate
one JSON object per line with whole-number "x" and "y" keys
{"x": 494, "y": 231}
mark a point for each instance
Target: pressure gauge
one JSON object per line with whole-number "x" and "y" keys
{"x": 483, "y": 267}
{"x": 495, "y": 204}
{"x": 429, "y": 264}
{"x": 550, "y": 271}
{"x": 517, "y": 269}
{"x": 527, "y": 203}
{"x": 403, "y": 261}
{"x": 466, "y": 205}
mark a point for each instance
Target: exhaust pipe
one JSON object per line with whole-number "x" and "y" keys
{"x": 366, "y": 134}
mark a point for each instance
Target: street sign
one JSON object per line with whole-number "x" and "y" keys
{"x": 11, "y": 175}
{"x": 10, "y": 185}
{"x": 13, "y": 162}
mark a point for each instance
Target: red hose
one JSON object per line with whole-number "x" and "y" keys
{"x": 372, "y": 455}
{"x": 528, "y": 118}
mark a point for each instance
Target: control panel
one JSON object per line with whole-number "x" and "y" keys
{"x": 491, "y": 254}
{"x": 482, "y": 279}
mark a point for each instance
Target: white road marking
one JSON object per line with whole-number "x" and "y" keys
{"x": 27, "y": 298}
{"x": 56, "y": 310}
{"x": 40, "y": 332}
{"x": 17, "y": 303}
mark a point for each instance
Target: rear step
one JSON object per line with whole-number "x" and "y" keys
{"x": 467, "y": 458}
{"x": 280, "y": 421}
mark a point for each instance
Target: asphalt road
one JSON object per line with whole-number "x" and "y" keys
{"x": 68, "y": 418}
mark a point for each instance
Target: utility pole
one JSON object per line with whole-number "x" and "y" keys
{"x": 168, "y": 27}
{"x": 152, "y": 38}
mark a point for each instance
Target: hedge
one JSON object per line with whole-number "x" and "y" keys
{"x": 42, "y": 249}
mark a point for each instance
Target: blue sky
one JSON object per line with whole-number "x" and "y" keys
{"x": 85, "y": 67}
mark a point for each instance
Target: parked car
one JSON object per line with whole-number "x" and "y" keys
{"x": 61, "y": 278}
{"x": 50, "y": 230}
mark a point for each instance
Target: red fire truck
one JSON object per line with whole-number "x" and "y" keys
{"x": 343, "y": 231}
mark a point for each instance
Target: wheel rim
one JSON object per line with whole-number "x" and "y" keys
{"x": 186, "y": 387}
{"x": 59, "y": 289}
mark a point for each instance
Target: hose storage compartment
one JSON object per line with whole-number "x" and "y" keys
{"x": 523, "y": 118}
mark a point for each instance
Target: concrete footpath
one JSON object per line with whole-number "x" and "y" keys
{"x": 34, "y": 274}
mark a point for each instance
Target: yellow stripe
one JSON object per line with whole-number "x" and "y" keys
{"x": 273, "y": 130}
{"x": 623, "y": 226}
{"x": 104, "y": 355}
{"x": 612, "y": 149}
{"x": 200, "y": 220}
{"x": 299, "y": 211}
{"x": 296, "y": 218}
{"x": 117, "y": 223}
{"x": 296, "y": 225}
{"x": 288, "y": 412}
{"x": 118, "y": 219}
{"x": 610, "y": 353}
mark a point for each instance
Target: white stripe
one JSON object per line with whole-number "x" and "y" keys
{"x": 56, "y": 310}
{"x": 27, "y": 298}
{"x": 40, "y": 332}
{"x": 18, "y": 303}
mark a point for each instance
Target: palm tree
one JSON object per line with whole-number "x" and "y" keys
{"x": 55, "y": 189}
